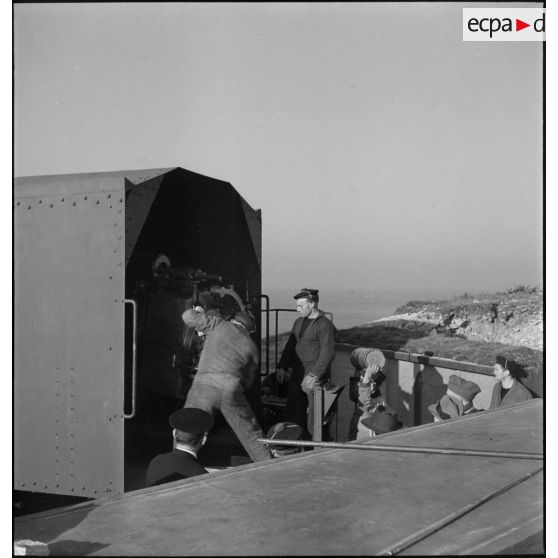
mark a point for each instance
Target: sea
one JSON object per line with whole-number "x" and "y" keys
{"x": 350, "y": 307}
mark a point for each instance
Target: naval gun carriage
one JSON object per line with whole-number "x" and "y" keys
{"x": 104, "y": 266}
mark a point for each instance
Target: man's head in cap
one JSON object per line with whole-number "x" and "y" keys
{"x": 284, "y": 431}
{"x": 464, "y": 390}
{"x": 190, "y": 428}
{"x": 457, "y": 401}
{"x": 245, "y": 320}
{"x": 307, "y": 303}
{"x": 383, "y": 419}
{"x": 445, "y": 408}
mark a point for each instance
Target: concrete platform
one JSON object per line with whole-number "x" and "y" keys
{"x": 331, "y": 502}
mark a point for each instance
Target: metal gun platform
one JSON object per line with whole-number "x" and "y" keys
{"x": 334, "y": 501}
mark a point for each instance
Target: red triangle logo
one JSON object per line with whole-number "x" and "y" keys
{"x": 519, "y": 25}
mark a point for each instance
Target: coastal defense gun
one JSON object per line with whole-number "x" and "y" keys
{"x": 170, "y": 350}
{"x": 104, "y": 266}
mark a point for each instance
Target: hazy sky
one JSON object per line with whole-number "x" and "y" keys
{"x": 382, "y": 149}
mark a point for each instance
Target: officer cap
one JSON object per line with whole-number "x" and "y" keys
{"x": 191, "y": 420}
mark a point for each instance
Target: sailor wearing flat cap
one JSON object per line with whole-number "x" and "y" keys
{"x": 457, "y": 401}
{"x": 306, "y": 358}
{"x": 190, "y": 428}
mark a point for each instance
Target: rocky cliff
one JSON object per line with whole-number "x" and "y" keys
{"x": 514, "y": 317}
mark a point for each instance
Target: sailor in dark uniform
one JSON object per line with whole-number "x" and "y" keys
{"x": 305, "y": 362}
{"x": 190, "y": 433}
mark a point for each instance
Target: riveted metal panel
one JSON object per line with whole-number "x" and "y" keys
{"x": 69, "y": 336}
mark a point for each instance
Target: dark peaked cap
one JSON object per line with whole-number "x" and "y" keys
{"x": 191, "y": 421}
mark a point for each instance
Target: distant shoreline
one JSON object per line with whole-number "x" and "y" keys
{"x": 348, "y": 307}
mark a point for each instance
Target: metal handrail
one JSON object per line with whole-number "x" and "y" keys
{"x": 266, "y": 298}
{"x": 267, "y": 312}
{"x": 134, "y": 355}
{"x": 404, "y": 449}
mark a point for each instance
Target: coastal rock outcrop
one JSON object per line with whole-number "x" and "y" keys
{"x": 514, "y": 317}
{"x": 468, "y": 328}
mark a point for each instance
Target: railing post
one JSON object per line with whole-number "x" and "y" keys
{"x": 318, "y": 413}
{"x": 417, "y": 393}
{"x": 266, "y": 298}
{"x": 276, "y": 335}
